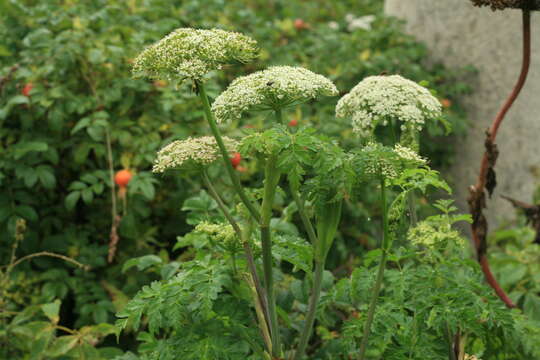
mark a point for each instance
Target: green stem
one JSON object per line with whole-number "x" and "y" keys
{"x": 271, "y": 180}
{"x": 380, "y": 274}
{"x": 221, "y": 204}
{"x": 312, "y": 310}
{"x": 411, "y": 199}
{"x": 242, "y": 235}
{"x": 270, "y": 183}
{"x": 303, "y": 215}
{"x": 451, "y": 353}
{"x": 224, "y": 152}
{"x": 317, "y": 278}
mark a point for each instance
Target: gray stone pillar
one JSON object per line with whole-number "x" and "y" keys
{"x": 459, "y": 34}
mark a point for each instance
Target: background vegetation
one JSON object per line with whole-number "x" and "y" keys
{"x": 66, "y": 88}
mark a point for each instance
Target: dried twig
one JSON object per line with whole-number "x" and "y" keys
{"x": 487, "y": 178}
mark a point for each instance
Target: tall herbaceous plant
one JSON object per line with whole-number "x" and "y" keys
{"x": 236, "y": 296}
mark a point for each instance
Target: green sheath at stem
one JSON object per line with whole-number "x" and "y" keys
{"x": 327, "y": 222}
{"x": 380, "y": 274}
{"x": 230, "y": 170}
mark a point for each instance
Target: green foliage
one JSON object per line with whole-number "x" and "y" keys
{"x": 54, "y": 173}
{"x": 35, "y": 334}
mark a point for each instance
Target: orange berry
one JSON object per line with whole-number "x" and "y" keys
{"x": 293, "y": 122}
{"x": 122, "y": 178}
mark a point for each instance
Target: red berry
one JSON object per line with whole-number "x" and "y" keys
{"x": 300, "y": 24}
{"x": 122, "y": 178}
{"x": 293, "y": 122}
{"x": 235, "y": 160}
{"x": 27, "y": 88}
{"x": 446, "y": 103}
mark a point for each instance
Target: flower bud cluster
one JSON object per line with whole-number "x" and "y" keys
{"x": 223, "y": 233}
{"x": 431, "y": 235}
{"x": 376, "y": 160}
{"x": 191, "y": 153}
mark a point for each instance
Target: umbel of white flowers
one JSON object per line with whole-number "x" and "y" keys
{"x": 272, "y": 89}
{"x": 191, "y": 153}
{"x": 192, "y": 53}
{"x": 377, "y": 100}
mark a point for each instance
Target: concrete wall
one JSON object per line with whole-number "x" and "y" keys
{"x": 459, "y": 34}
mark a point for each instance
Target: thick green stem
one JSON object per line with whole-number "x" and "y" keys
{"x": 224, "y": 152}
{"x": 312, "y": 310}
{"x": 380, "y": 274}
{"x": 270, "y": 183}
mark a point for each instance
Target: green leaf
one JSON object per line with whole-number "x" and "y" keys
{"x": 294, "y": 250}
{"x": 62, "y": 345}
{"x": 71, "y": 200}
{"x": 81, "y": 124}
{"x": 46, "y": 176}
{"x": 87, "y": 195}
{"x": 168, "y": 270}
{"x": 142, "y": 262}
{"x": 26, "y": 212}
{"x": 52, "y": 310}
{"x": 531, "y": 306}
{"x": 23, "y": 148}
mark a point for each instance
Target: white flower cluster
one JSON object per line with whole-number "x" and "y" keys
{"x": 191, "y": 153}
{"x": 409, "y": 154}
{"x": 192, "y": 53}
{"x": 362, "y": 22}
{"x": 271, "y": 89}
{"x": 379, "y": 99}
{"x": 470, "y": 357}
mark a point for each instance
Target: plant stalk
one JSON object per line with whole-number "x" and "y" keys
{"x": 303, "y": 215}
{"x": 411, "y": 200}
{"x": 312, "y": 310}
{"x": 317, "y": 278}
{"x": 380, "y": 274}
{"x": 270, "y": 183}
{"x": 271, "y": 180}
{"x": 225, "y": 154}
{"x": 245, "y": 241}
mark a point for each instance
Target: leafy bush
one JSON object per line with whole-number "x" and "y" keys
{"x": 66, "y": 87}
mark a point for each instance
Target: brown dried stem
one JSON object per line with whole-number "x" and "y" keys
{"x": 486, "y": 177}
